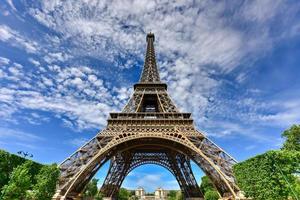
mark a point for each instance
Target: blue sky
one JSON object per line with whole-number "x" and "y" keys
{"x": 65, "y": 65}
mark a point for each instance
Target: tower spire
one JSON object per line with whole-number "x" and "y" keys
{"x": 150, "y": 71}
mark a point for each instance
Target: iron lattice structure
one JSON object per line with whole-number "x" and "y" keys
{"x": 150, "y": 129}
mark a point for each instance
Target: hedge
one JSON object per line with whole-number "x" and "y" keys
{"x": 9, "y": 161}
{"x": 269, "y": 176}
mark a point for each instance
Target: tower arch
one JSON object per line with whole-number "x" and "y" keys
{"x": 149, "y": 125}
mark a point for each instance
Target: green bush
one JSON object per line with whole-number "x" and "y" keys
{"x": 269, "y": 176}
{"x": 206, "y": 184}
{"x": 292, "y": 135}
{"x": 46, "y": 182}
{"x": 24, "y": 179}
{"x": 211, "y": 195}
{"x": 19, "y": 183}
{"x": 123, "y": 194}
{"x": 297, "y": 187}
{"x": 10, "y": 161}
{"x": 91, "y": 189}
{"x": 172, "y": 195}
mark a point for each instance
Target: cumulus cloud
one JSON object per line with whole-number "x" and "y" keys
{"x": 77, "y": 142}
{"x": 197, "y": 44}
{"x": 150, "y": 181}
{"x": 16, "y": 39}
{"x": 18, "y": 135}
{"x": 4, "y": 61}
{"x": 66, "y": 92}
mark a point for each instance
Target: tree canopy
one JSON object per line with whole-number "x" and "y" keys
{"x": 292, "y": 135}
{"x": 25, "y": 179}
{"x": 208, "y": 189}
{"x": 123, "y": 194}
{"x": 10, "y": 161}
{"x": 211, "y": 195}
{"x": 206, "y": 184}
{"x": 172, "y": 195}
{"x": 269, "y": 176}
{"x": 46, "y": 182}
{"x": 20, "y": 181}
{"x": 91, "y": 189}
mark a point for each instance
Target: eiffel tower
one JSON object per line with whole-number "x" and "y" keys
{"x": 149, "y": 130}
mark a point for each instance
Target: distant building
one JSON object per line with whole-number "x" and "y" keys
{"x": 159, "y": 194}
{"x": 140, "y": 193}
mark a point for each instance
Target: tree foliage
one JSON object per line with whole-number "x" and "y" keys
{"x": 297, "y": 187}
{"x": 206, "y": 184}
{"x": 292, "y": 135}
{"x": 46, "y": 182}
{"x": 10, "y": 161}
{"x": 133, "y": 197}
{"x": 172, "y": 195}
{"x": 175, "y": 195}
{"x": 208, "y": 189}
{"x": 123, "y": 194}
{"x": 99, "y": 196}
{"x": 211, "y": 195}
{"x": 179, "y": 195}
{"x": 24, "y": 179}
{"x": 269, "y": 176}
{"x": 20, "y": 181}
{"x": 91, "y": 189}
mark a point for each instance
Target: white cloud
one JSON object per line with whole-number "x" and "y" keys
{"x": 92, "y": 78}
{"x": 150, "y": 181}
{"x": 4, "y": 61}
{"x": 35, "y": 62}
{"x": 18, "y": 135}
{"x": 285, "y": 114}
{"x": 14, "y": 38}
{"x": 5, "y": 33}
{"x": 196, "y": 44}
{"x": 56, "y": 57}
{"x": 250, "y": 147}
{"x": 262, "y": 11}
{"x": 67, "y": 92}
{"x": 15, "y": 71}
{"x": 11, "y": 4}
{"x": 78, "y": 142}
{"x": 227, "y": 129}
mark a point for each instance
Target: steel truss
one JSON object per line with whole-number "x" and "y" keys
{"x": 149, "y": 130}
{"x": 123, "y": 163}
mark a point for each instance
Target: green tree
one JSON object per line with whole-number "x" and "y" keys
{"x": 10, "y": 161}
{"x": 123, "y": 194}
{"x": 269, "y": 176}
{"x": 46, "y": 182}
{"x": 91, "y": 189}
{"x": 99, "y": 196}
{"x": 206, "y": 184}
{"x": 297, "y": 187}
{"x": 292, "y": 135}
{"x": 211, "y": 195}
{"x": 179, "y": 195}
{"x": 19, "y": 183}
{"x": 133, "y": 197}
{"x": 172, "y": 195}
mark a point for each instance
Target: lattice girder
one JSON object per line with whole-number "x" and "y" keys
{"x": 219, "y": 174}
{"x": 140, "y": 157}
{"x": 159, "y": 90}
{"x": 149, "y": 120}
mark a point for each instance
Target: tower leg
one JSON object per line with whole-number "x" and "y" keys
{"x": 116, "y": 174}
{"x": 182, "y": 169}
